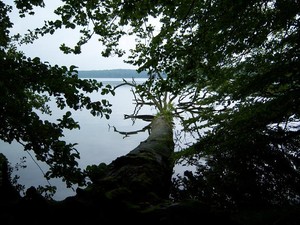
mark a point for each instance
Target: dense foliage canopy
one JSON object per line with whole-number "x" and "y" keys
{"x": 233, "y": 69}
{"x": 26, "y": 85}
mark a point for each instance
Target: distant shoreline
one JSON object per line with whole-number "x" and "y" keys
{"x": 114, "y": 73}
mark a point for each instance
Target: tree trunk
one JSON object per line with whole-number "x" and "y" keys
{"x": 144, "y": 174}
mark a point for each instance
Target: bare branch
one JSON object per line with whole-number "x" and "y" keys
{"x": 128, "y": 133}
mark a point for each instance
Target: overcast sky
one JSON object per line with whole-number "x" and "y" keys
{"x": 47, "y": 47}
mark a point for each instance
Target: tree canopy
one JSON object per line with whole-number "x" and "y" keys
{"x": 27, "y": 84}
{"x": 232, "y": 79}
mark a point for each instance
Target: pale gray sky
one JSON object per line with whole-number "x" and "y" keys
{"x": 47, "y": 47}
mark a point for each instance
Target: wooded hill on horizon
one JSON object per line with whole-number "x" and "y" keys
{"x": 113, "y": 73}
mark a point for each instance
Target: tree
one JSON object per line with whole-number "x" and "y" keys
{"x": 26, "y": 86}
{"x": 232, "y": 67}
{"x": 252, "y": 148}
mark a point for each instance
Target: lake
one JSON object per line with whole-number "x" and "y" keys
{"x": 97, "y": 141}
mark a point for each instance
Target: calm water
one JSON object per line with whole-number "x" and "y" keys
{"x": 97, "y": 141}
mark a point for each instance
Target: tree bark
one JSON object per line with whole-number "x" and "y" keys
{"x": 144, "y": 174}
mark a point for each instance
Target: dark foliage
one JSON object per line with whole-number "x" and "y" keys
{"x": 26, "y": 85}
